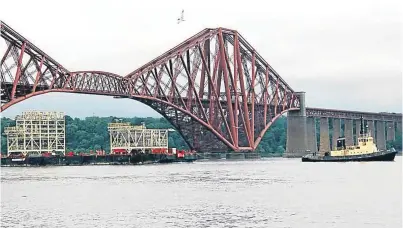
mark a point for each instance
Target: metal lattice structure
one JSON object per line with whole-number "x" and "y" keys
{"x": 37, "y": 132}
{"x": 124, "y": 136}
{"x": 214, "y": 88}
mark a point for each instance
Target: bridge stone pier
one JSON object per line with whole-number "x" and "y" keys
{"x": 302, "y": 128}
{"x": 390, "y": 131}
{"x": 348, "y": 132}
{"x": 297, "y": 143}
{"x": 336, "y": 131}
{"x": 311, "y": 135}
{"x": 399, "y": 127}
{"x": 380, "y": 135}
{"x": 357, "y": 130}
{"x": 324, "y": 141}
{"x": 371, "y": 127}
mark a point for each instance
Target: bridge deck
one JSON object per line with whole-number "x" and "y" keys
{"x": 346, "y": 114}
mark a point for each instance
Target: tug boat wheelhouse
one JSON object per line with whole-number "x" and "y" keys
{"x": 366, "y": 150}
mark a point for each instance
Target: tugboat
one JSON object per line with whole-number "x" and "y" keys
{"x": 366, "y": 150}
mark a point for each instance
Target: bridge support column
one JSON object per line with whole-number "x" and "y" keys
{"x": 390, "y": 131}
{"x": 336, "y": 131}
{"x": 296, "y": 130}
{"x": 324, "y": 135}
{"x": 357, "y": 130}
{"x": 380, "y": 135}
{"x": 348, "y": 132}
{"x": 371, "y": 128}
{"x": 311, "y": 135}
{"x": 399, "y": 127}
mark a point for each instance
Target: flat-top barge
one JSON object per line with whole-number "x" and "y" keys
{"x": 72, "y": 159}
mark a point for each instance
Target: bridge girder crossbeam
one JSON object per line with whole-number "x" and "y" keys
{"x": 347, "y": 114}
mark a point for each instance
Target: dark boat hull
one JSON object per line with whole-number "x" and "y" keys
{"x": 378, "y": 156}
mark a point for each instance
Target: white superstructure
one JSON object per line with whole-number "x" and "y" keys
{"x": 124, "y": 136}
{"x": 37, "y": 132}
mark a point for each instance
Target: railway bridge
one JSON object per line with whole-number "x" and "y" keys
{"x": 214, "y": 88}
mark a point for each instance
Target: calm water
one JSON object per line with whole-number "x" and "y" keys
{"x": 265, "y": 193}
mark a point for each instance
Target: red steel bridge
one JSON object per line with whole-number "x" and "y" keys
{"x": 214, "y": 88}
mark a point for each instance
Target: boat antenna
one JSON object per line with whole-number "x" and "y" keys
{"x": 362, "y": 125}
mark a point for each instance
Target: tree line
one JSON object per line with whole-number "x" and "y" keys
{"x": 91, "y": 133}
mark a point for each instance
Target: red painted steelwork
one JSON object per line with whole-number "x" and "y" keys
{"x": 214, "y": 88}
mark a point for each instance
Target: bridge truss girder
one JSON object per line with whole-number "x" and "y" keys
{"x": 214, "y": 87}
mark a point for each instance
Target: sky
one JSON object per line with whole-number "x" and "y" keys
{"x": 344, "y": 54}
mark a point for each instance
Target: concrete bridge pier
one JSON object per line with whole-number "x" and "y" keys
{"x": 380, "y": 135}
{"x": 297, "y": 130}
{"x": 390, "y": 131}
{"x": 357, "y": 130}
{"x": 399, "y": 127}
{"x": 348, "y": 132}
{"x": 371, "y": 127}
{"x": 324, "y": 141}
{"x": 336, "y": 132}
{"x": 311, "y": 135}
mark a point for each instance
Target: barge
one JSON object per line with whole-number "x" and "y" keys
{"x": 95, "y": 159}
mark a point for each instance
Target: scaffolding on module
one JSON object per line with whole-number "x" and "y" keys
{"x": 37, "y": 132}
{"x": 127, "y": 138}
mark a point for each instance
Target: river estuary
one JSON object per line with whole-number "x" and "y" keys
{"x": 266, "y": 193}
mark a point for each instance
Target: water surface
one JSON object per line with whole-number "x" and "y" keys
{"x": 265, "y": 193}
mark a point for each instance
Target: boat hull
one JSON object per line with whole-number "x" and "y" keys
{"x": 377, "y": 156}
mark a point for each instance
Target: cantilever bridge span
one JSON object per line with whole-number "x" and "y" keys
{"x": 214, "y": 88}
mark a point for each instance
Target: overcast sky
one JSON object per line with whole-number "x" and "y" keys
{"x": 344, "y": 54}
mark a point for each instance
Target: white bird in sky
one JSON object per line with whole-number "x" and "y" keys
{"x": 181, "y": 18}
